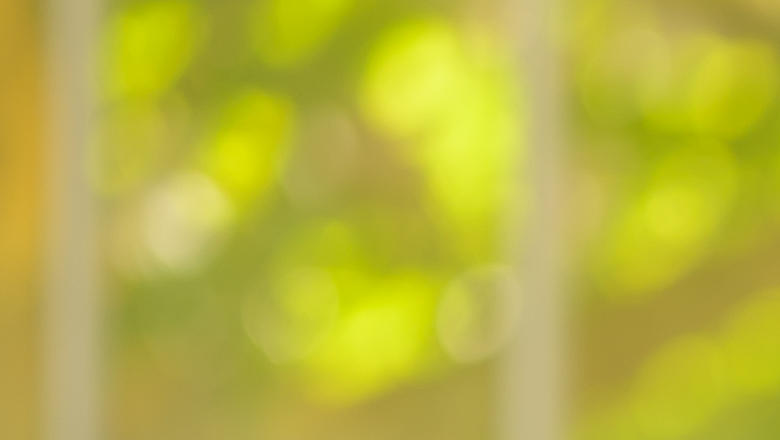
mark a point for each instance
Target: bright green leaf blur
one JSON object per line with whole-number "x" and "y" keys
{"x": 285, "y": 33}
{"x": 149, "y": 45}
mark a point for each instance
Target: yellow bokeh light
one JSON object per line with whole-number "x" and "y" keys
{"x": 249, "y": 143}
{"x": 732, "y": 87}
{"x": 184, "y": 219}
{"x": 452, "y": 93}
{"x": 148, "y": 47}
{"x": 659, "y": 236}
{"x": 380, "y": 340}
{"x": 687, "y": 383}
{"x": 718, "y": 87}
{"x": 412, "y": 76}
{"x": 285, "y": 33}
{"x": 484, "y": 125}
{"x": 752, "y": 340}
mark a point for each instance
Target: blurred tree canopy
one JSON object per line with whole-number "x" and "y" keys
{"x": 306, "y": 205}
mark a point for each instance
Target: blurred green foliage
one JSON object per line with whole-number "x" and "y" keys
{"x": 306, "y": 204}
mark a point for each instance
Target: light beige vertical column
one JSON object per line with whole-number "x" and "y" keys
{"x": 535, "y": 373}
{"x": 71, "y": 346}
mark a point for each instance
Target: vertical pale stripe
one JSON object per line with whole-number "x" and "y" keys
{"x": 535, "y": 384}
{"x": 71, "y": 316}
